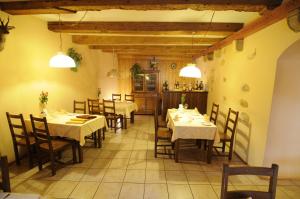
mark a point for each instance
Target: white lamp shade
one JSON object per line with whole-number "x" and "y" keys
{"x": 61, "y": 60}
{"x": 191, "y": 70}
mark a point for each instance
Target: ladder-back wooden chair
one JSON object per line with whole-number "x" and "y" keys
{"x": 272, "y": 173}
{"x": 214, "y": 113}
{"x": 48, "y": 144}
{"x": 21, "y": 137}
{"x": 129, "y": 98}
{"x": 111, "y": 116}
{"x": 116, "y": 97}
{"x": 5, "y": 182}
{"x": 79, "y": 107}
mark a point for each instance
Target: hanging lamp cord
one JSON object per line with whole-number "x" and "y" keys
{"x": 60, "y": 37}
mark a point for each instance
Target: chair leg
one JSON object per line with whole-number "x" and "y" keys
{"x": 115, "y": 125}
{"x": 74, "y": 152}
{"x": 99, "y": 138}
{"x": 155, "y": 148}
{"x": 17, "y": 154}
{"x": 94, "y": 135}
{"x": 223, "y": 146}
{"x": 30, "y": 158}
{"x": 103, "y": 133}
{"x": 52, "y": 158}
{"x": 230, "y": 150}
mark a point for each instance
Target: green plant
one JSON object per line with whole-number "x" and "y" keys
{"x": 76, "y": 57}
{"x": 135, "y": 69}
{"x": 182, "y": 99}
{"x": 43, "y": 97}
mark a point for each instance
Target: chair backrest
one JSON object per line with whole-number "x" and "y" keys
{"x": 260, "y": 171}
{"x": 109, "y": 107}
{"x": 90, "y": 104}
{"x": 155, "y": 113}
{"x": 129, "y": 98}
{"x": 41, "y": 131}
{"x": 231, "y": 122}
{"x": 17, "y": 127}
{"x": 5, "y": 183}
{"x": 79, "y": 107}
{"x": 214, "y": 113}
{"x": 116, "y": 97}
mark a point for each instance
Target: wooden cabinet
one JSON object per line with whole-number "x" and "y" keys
{"x": 145, "y": 87}
{"x": 172, "y": 99}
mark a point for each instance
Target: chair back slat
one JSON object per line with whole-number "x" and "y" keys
{"x": 41, "y": 131}
{"x": 97, "y": 108}
{"x": 79, "y": 107}
{"x": 116, "y": 97}
{"x": 5, "y": 182}
{"x": 17, "y": 127}
{"x": 129, "y": 98}
{"x": 214, "y": 113}
{"x": 109, "y": 107}
{"x": 231, "y": 122}
{"x": 260, "y": 171}
{"x": 90, "y": 104}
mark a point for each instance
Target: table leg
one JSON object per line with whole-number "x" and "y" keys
{"x": 209, "y": 150}
{"x": 125, "y": 122}
{"x": 132, "y": 117}
{"x": 99, "y": 138}
{"x": 177, "y": 150}
{"x": 80, "y": 152}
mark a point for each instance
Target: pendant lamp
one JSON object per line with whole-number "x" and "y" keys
{"x": 190, "y": 70}
{"x": 113, "y": 72}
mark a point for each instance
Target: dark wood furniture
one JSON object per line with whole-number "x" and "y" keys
{"x": 5, "y": 182}
{"x": 229, "y": 132}
{"x": 145, "y": 88}
{"x": 21, "y": 137}
{"x": 79, "y": 107}
{"x": 260, "y": 171}
{"x": 112, "y": 118}
{"x": 95, "y": 107}
{"x": 214, "y": 113}
{"x": 116, "y": 97}
{"x": 172, "y": 99}
{"x": 129, "y": 98}
{"x": 50, "y": 145}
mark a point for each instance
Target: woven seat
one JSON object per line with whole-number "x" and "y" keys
{"x": 22, "y": 141}
{"x": 164, "y": 133}
{"x": 56, "y": 144}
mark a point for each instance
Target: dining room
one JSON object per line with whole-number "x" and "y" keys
{"x": 149, "y": 99}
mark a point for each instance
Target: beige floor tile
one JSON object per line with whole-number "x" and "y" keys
{"x": 86, "y": 163}
{"x": 95, "y": 175}
{"x": 240, "y": 180}
{"x": 85, "y": 190}
{"x": 215, "y": 178}
{"x": 156, "y": 164}
{"x": 280, "y": 194}
{"x": 31, "y": 186}
{"x": 155, "y": 176}
{"x": 108, "y": 191}
{"x": 114, "y": 175}
{"x": 91, "y": 153}
{"x": 171, "y": 165}
{"x": 196, "y": 177}
{"x": 246, "y": 187}
{"x": 140, "y": 146}
{"x": 74, "y": 174}
{"x": 203, "y": 191}
{"x": 256, "y": 180}
{"x": 137, "y": 164}
{"x": 176, "y": 177}
{"x": 119, "y": 164}
{"x": 291, "y": 191}
{"x": 284, "y": 182}
{"x": 135, "y": 176}
{"x": 211, "y": 167}
{"x": 296, "y": 182}
{"x": 101, "y": 163}
{"x": 179, "y": 192}
{"x": 217, "y": 189}
{"x": 150, "y": 154}
{"x": 107, "y": 154}
{"x": 122, "y": 154}
{"x": 156, "y": 191}
{"x": 139, "y": 154}
{"x": 62, "y": 189}
{"x": 132, "y": 191}
{"x": 194, "y": 166}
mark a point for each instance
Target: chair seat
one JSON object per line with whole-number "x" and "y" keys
{"x": 164, "y": 133}
{"x": 112, "y": 117}
{"x": 22, "y": 141}
{"x": 224, "y": 137}
{"x": 56, "y": 144}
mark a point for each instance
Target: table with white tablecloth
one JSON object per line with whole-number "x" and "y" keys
{"x": 190, "y": 124}
{"x": 127, "y": 109}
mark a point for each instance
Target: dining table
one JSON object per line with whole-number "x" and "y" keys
{"x": 190, "y": 124}
{"x": 72, "y": 126}
{"x": 127, "y": 109}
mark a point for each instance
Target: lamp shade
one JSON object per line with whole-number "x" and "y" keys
{"x": 61, "y": 60}
{"x": 191, "y": 70}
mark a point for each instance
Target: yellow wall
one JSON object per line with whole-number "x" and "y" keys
{"x": 25, "y": 73}
{"x": 255, "y": 66}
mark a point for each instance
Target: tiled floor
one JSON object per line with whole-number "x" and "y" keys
{"x": 125, "y": 168}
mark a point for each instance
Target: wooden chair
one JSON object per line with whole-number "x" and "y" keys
{"x": 214, "y": 113}
{"x": 229, "y": 132}
{"x": 20, "y": 137}
{"x": 116, "y": 97}
{"x": 260, "y": 171}
{"x": 92, "y": 104}
{"x": 45, "y": 143}
{"x": 95, "y": 108}
{"x": 5, "y": 183}
{"x": 162, "y": 138}
{"x": 129, "y": 98}
{"x": 79, "y": 107}
{"x": 110, "y": 114}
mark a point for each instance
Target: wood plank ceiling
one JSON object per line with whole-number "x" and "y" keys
{"x": 144, "y": 37}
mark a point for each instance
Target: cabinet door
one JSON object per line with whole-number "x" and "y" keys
{"x": 138, "y": 82}
{"x": 150, "y": 105}
{"x": 141, "y": 103}
{"x": 150, "y": 82}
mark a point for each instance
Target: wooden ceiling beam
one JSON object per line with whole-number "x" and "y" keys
{"x": 149, "y": 47}
{"x": 266, "y": 20}
{"x": 188, "y": 28}
{"x": 154, "y": 52}
{"x": 139, "y": 40}
{"x": 46, "y": 6}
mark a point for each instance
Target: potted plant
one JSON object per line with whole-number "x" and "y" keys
{"x": 76, "y": 57}
{"x": 135, "y": 69}
{"x": 4, "y": 30}
{"x": 43, "y": 102}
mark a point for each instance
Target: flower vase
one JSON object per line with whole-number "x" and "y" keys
{"x": 43, "y": 109}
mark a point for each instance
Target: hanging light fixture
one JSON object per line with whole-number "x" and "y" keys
{"x": 113, "y": 72}
{"x": 61, "y": 60}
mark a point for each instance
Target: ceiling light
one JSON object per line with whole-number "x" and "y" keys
{"x": 190, "y": 70}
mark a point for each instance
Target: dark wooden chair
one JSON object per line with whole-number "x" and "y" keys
{"x": 50, "y": 145}
{"x": 229, "y": 132}
{"x": 92, "y": 103}
{"x": 110, "y": 114}
{"x": 260, "y": 171}
{"x": 5, "y": 183}
{"x": 21, "y": 137}
{"x": 162, "y": 138}
{"x": 79, "y": 107}
{"x": 129, "y": 98}
{"x": 95, "y": 108}
{"x": 116, "y": 97}
{"x": 214, "y": 113}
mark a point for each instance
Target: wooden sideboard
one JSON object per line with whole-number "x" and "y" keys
{"x": 172, "y": 99}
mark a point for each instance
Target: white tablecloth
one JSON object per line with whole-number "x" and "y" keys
{"x": 58, "y": 127}
{"x": 125, "y": 108}
{"x": 190, "y": 124}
